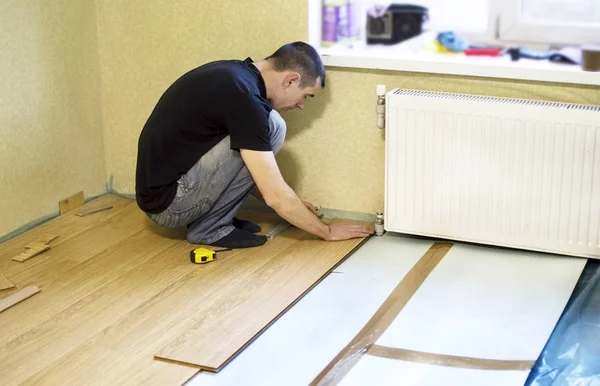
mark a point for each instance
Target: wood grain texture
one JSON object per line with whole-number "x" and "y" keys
{"x": 71, "y": 203}
{"x": 31, "y": 250}
{"x": 129, "y": 345}
{"x": 118, "y": 289}
{"x": 81, "y": 266}
{"x": 211, "y": 340}
{"x": 45, "y": 239}
{"x": 18, "y": 297}
{"x": 66, "y": 226}
{"x": 5, "y": 283}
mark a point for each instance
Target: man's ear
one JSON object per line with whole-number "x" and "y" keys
{"x": 292, "y": 78}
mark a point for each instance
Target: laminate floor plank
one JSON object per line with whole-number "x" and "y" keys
{"x": 64, "y": 286}
{"x": 79, "y": 248}
{"x": 212, "y": 340}
{"x": 66, "y": 227}
{"x": 48, "y": 341}
{"x": 116, "y": 290}
{"x": 128, "y": 346}
{"x": 54, "y": 273}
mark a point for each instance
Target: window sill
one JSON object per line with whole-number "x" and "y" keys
{"x": 406, "y": 57}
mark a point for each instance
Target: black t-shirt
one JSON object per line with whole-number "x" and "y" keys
{"x": 196, "y": 112}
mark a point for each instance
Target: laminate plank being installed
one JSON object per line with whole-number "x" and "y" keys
{"x": 213, "y": 339}
{"x": 306, "y": 338}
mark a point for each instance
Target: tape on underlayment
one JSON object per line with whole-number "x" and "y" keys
{"x": 382, "y": 319}
{"x": 447, "y": 360}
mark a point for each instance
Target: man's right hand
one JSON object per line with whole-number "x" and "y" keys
{"x": 281, "y": 198}
{"x": 346, "y": 230}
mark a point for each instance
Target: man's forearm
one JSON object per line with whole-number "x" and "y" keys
{"x": 292, "y": 209}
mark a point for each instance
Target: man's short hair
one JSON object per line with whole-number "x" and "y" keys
{"x": 300, "y": 57}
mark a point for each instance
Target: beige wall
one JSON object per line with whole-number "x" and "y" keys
{"x": 62, "y": 130}
{"x": 50, "y": 117}
{"x": 334, "y": 153}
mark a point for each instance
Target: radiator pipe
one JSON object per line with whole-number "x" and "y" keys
{"x": 381, "y": 89}
{"x": 379, "y": 224}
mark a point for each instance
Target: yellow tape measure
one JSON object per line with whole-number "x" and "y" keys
{"x": 204, "y": 255}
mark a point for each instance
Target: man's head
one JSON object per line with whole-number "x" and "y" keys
{"x": 292, "y": 73}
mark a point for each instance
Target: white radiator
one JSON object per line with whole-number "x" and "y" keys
{"x": 508, "y": 172}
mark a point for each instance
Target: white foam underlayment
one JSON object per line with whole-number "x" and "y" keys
{"x": 479, "y": 301}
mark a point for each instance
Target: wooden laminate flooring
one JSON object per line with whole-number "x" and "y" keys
{"x": 117, "y": 293}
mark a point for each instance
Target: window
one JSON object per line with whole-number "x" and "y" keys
{"x": 469, "y": 17}
{"x": 569, "y": 22}
{"x": 359, "y": 33}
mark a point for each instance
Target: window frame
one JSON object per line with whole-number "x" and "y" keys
{"x": 528, "y": 70}
{"x": 513, "y": 27}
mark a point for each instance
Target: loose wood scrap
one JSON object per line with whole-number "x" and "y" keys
{"x": 42, "y": 244}
{"x": 86, "y": 211}
{"x": 18, "y": 297}
{"x": 71, "y": 203}
{"x": 47, "y": 238}
{"x": 30, "y": 251}
{"x": 5, "y": 283}
{"x": 67, "y": 226}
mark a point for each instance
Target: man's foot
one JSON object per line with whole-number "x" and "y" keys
{"x": 246, "y": 225}
{"x": 240, "y": 238}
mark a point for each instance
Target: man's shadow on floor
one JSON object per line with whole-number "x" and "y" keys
{"x": 179, "y": 233}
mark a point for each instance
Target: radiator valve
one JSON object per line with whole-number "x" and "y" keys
{"x": 379, "y": 224}
{"x": 381, "y": 89}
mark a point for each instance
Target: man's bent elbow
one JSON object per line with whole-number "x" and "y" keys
{"x": 273, "y": 202}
